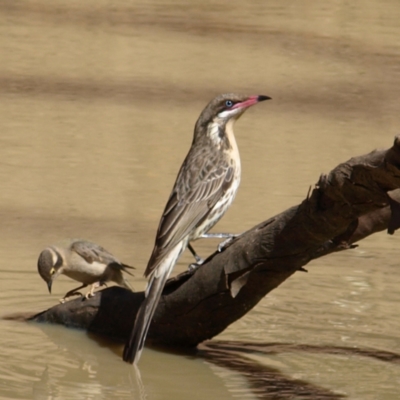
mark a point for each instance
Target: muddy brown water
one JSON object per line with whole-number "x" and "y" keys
{"x": 97, "y": 105}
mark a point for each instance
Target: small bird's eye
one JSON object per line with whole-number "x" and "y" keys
{"x": 52, "y": 271}
{"x": 229, "y": 103}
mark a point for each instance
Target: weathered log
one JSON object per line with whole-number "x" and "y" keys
{"x": 353, "y": 201}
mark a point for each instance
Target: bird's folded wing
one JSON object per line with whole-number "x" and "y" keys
{"x": 190, "y": 202}
{"x": 92, "y": 252}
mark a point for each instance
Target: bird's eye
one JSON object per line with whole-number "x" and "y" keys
{"x": 229, "y": 103}
{"x": 52, "y": 271}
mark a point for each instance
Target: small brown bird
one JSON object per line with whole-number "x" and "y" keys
{"x": 83, "y": 261}
{"x": 204, "y": 189}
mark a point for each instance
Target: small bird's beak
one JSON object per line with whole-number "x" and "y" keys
{"x": 49, "y": 283}
{"x": 251, "y": 101}
{"x": 53, "y": 275}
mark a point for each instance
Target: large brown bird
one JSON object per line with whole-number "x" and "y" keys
{"x": 204, "y": 189}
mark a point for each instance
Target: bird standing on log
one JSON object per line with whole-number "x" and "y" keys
{"x": 204, "y": 189}
{"x": 83, "y": 261}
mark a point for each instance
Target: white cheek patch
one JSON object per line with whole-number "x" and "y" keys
{"x": 227, "y": 113}
{"x": 54, "y": 257}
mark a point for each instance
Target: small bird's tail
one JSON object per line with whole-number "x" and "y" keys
{"x": 126, "y": 268}
{"x": 133, "y": 348}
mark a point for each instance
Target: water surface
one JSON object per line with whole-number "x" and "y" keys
{"x": 98, "y": 103}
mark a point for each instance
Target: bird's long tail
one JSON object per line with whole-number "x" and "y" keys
{"x": 134, "y": 346}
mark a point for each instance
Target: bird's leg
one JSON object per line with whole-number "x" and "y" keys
{"x": 73, "y": 292}
{"x": 227, "y": 236}
{"x": 90, "y": 293}
{"x": 94, "y": 286}
{"x": 217, "y": 235}
{"x": 198, "y": 259}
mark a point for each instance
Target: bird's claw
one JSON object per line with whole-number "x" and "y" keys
{"x": 94, "y": 286}
{"x": 68, "y": 295}
{"x": 198, "y": 259}
{"x": 223, "y": 245}
{"x": 89, "y": 294}
{"x": 194, "y": 266}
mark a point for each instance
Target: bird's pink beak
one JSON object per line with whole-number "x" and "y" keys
{"x": 251, "y": 101}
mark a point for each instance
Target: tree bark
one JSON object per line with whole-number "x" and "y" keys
{"x": 354, "y": 200}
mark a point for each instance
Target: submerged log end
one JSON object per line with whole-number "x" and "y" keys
{"x": 111, "y": 312}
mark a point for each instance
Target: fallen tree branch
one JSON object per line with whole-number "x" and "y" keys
{"x": 354, "y": 200}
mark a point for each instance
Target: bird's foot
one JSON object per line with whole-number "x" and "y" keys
{"x": 194, "y": 266}
{"x": 69, "y": 295}
{"x": 89, "y": 294}
{"x": 223, "y": 245}
{"x": 94, "y": 286}
{"x": 198, "y": 259}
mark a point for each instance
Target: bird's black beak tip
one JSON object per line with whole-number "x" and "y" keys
{"x": 262, "y": 98}
{"x": 49, "y": 283}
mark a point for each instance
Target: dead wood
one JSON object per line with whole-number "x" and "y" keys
{"x": 355, "y": 200}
